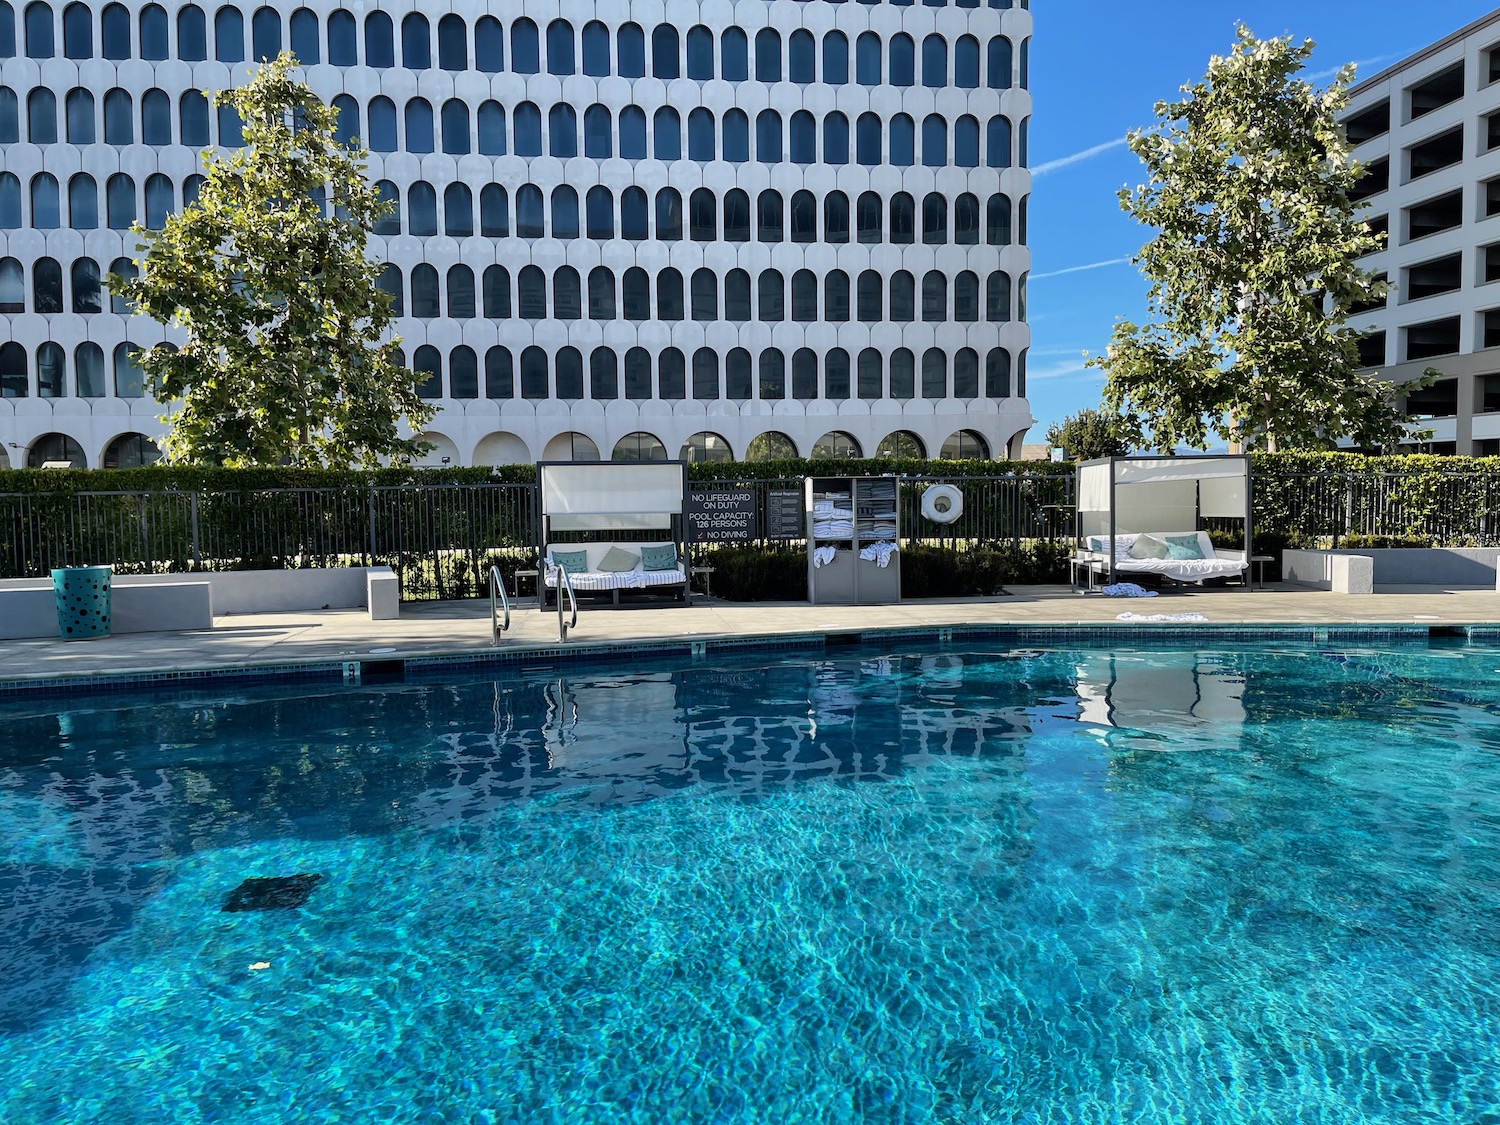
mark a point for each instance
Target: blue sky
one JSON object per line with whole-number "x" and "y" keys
{"x": 1097, "y": 69}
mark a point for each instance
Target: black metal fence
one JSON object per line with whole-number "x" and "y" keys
{"x": 443, "y": 538}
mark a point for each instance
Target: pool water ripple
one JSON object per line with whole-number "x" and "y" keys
{"x": 1065, "y": 887}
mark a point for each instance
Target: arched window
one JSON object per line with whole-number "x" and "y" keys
{"x": 41, "y": 117}
{"x": 738, "y": 379}
{"x": 560, "y": 48}
{"x": 87, "y": 295}
{"x": 389, "y": 282}
{"x": 836, "y": 217}
{"x": 966, "y": 220}
{"x": 903, "y": 375}
{"x": 734, "y": 56}
{"x": 463, "y": 373}
{"x": 997, "y": 297}
{"x": 666, "y": 59}
{"x": 997, "y": 143}
{"x": 527, "y": 121}
{"x": 458, "y": 211}
{"x": 119, "y": 128}
{"x": 666, "y": 134}
{"x": 10, "y": 124}
{"x": 494, "y": 212}
{"x": 126, "y": 269}
{"x": 903, "y": 297}
{"x": 346, "y": 130}
{"x": 804, "y": 216}
{"x": 870, "y": 376}
{"x": 934, "y": 62}
{"x": 425, "y": 302}
{"x": 630, "y": 48}
{"x": 599, "y": 218}
{"x": 772, "y": 296}
{"x": 703, "y": 221}
{"x": 265, "y": 34}
{"x": 836, "y": 444}
{"x": 700, "y": 54}
{"x": 736, "y": 216}
{"x": 934, "y": 374}
{"x": 869, "y": 297}
{"x": 902, "y": 141}
{"x": 389, "y": 222}
{"x": 772, "y": 383}
{"x": 802, "y": 57}
{"x": 453, "y": 46}
{"x": 12, "y": 286}
{"x": 78, "y": 33}
{"x": 491, "y": 129}
{"x": 640, "y": 446}
{"x": 997, "y": 221}
{"x": 158, "y": 200}
{"x": 966, "y": 63}
{"x": 804, "y": 297}
{"x": 598, "y": 133}
{"x": 668, "y": 215}
{"x": 706, "y": 375}
{"x": 529, "y": 212}
{"x": 601, "y": 294}
{"x": 534, "y": 374}
{"x": 903, "y": 60}
{"x": 769, "y": 219}
{"x": 39, "y": 41}
{"x": 868, "y": 217}
{"x": 192, "y": 119}
{"x": 570, "y": 385}
{"x": 867, "y": 138}
{"x": 79, "y": 112}
{"x": 54, "y": 447}
{"x": 156, "y": 118}
{"x": 836, "y": 297}
{"x": 966, "y": 445}
{"x": 671, "y": 376}
{"x": 835, "y": 139}
{"x": 496, "y": 287}
{"x": 966, "y": 297}
{"x": 835, "y": 58}
{"x": 867, "y": 59}
{"x": 595, "y": 50}
{"x": 304, "y": 28}
{"x": 803, "y": 145}
{"x": 153, "y": 28}
{"x": 192, "y": 34}
{"x": 604, "y": 375}
{"x": 903, "y": 218}
{"x": 767, "y": 55}
{"x": 231, "y": 128}
{"x": 836, "y": 369}
{"x": 229, "y": 35}
{"x": 525, "y": 47}
{"x": 736, "y": 136}
{"x": 46, "y": 286}
{"x": 638, "y": 381}
{"x": 427, "y": 366}
{"x": 419, "y": 133}
{"x": 934, "y": 297}
{"x": 804, "y": 374}
{"x": 531, "y": 293}
{"x": 768, "y": 137}
{"x": 45, "y": 209}
{"x": 966, "y": 374}
{"x": 129, "y": 381}
{"x": 934, "y": 219}
{"x": 966, "y": 142}
{"x": 456, "y": 139}
{"x": 704, "y": 295}
{"x": 934, "y": 141}
{"x": 88, "y": 370}
{"x": 421, "y": 209}
{"x": 499, "y": 374}
{"x": 633, "y": 133}
{"x": 669, "y": 295}
{"x": 634, "y": 223}
{"x": 14, "y": 380}
{"x": 489, "y": 52}
{"x": 901, "y": 443}
{"x": 10, "y": 201}
{"x": 998, "y": 64}
{"x": 635, "y": 294}
{"x": 564, "y": 212}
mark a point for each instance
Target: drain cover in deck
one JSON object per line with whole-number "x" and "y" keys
{"x": 279, "y": 892}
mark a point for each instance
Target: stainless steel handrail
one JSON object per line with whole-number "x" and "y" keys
{"x": 565, "y": 583}
{"x": 497, "y": 585}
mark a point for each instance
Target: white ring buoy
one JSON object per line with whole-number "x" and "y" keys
{"x": 942, "y": 503}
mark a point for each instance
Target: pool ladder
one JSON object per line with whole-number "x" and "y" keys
{"x": 498, "y": 601}
{"x": 563, "y": 625}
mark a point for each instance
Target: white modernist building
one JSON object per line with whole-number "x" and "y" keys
{"x": 649, "y": 229}
{"x": 1428, "y": 129}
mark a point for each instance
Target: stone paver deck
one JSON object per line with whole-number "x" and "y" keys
{"x": 428, "y": 629}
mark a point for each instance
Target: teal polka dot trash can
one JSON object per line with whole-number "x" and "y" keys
{"x": 82, "y": 594}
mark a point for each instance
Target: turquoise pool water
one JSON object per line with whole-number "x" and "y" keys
{"x": 961, "y": 886}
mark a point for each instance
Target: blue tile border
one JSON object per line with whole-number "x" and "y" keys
{"x": 426, "y": 668}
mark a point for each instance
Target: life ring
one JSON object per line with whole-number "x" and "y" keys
{"x": 942, "y": 503}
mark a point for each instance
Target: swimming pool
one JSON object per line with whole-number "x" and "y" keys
{"x": 971, "y": 885}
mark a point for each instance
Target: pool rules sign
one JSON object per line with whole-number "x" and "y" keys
{"x": 721, "y": 517}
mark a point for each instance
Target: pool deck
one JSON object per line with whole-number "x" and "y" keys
{"x": 443, "y": 628}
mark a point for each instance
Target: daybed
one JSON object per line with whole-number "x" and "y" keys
{"x": 593, "y": 580}
{"x": 1131, "y": 556}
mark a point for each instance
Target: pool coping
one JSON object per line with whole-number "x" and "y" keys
{"x": 524, "y": 659}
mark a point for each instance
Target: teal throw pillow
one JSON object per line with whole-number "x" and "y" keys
{"x": 1149, "y": 547}
{"x": 617, "y": 561}
{"x": 574, "y": 562}
{"x": 1187, "y": 544}
{"x": 659, "y": 558}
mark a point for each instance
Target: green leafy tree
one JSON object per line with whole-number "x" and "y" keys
{"x": 284, "y": 361}
{"x": 1093, "y": 433}
{"x": 1254, "y": 267}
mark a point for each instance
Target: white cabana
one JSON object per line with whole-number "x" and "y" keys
{"x": 1120, "y": 496}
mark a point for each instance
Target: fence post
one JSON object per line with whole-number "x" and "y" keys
{"x": 193, "y": 520}
{"x": 370, "y": 507}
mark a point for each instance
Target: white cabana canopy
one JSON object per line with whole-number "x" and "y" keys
{"x": 1130, "y": 495}
{"x": 612, "y": 495}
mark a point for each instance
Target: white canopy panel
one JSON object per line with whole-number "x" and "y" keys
{"x": 596, "y": 496}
